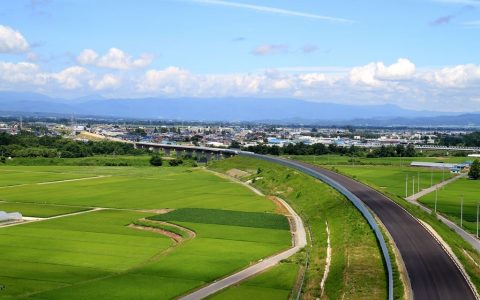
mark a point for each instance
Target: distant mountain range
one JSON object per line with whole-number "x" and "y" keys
{"x": 232, "y": 109}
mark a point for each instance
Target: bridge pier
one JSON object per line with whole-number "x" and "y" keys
{"x": 208, "y": 155}
{"x": 178, "y": 152}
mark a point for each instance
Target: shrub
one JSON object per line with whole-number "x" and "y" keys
{"x": 175, "y": 162}
{"x": 156, "y": 160}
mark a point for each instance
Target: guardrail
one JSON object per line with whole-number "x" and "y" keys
{"x": 350, "y": 196}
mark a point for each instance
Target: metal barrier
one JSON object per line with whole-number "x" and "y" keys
{"x": 349, "y": 195}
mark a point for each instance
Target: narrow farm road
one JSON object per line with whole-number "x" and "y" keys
{"x": 299, "y": 239}
{"x": 468, "y": 237}
{"x": 426, "y": 191}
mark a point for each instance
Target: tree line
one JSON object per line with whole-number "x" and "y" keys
{"x": 468, "y": 140}
{"x": 26, "y": 144}
{"x": 321, "y": 149}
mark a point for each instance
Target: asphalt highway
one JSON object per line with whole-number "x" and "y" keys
{"x": 433, "y": 273}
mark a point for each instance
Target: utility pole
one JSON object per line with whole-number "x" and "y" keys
{"x": 436, "y": 198}
{"x": 413, "y": 185}
{"x": 418, "y": 183}
{"x": 431, "y": 177}
{"x": 461, "y": 212}
{"x": 406, "y": 186}
{"x": 477, "y": 219}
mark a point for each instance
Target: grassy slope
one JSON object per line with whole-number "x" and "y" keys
{"x": 449, "y": 201}
{"x": 356, "y": 270}
{"x": 86, "y": 241}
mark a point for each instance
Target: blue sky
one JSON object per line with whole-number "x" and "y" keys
{"x": 413, "y": 53}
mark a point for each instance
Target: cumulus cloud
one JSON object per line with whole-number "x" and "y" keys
{"x": 456, "y": 77}
{"x": 375, "y": 74}
{"x": 455, "y": 87}
{"x": 169, "y": 80}
{"x": 87, "y": 57}
{"x": 268, "y": 49}
{"x": 114, "y": 59}
{"x": 71, "y": 78}
{"x": 18, "y": 72}
{"x": 107, "y": 81}
{"x": 12, "y": 41}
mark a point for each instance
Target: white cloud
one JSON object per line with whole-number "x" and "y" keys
{"x": 375, "y": 74}
{"x": 71, "y": 78}
{"x": 460, "y": 76}
{"x": 114, "y": 59}
{"x": 107, "y": 81}
{"x": 269, "y": 49}
{"x": 454, "y": 87}
{"x": 169, "y": 80}
{"x": 12, "y": 41}
{"x": 18, "y": 72}
{"x": 273, "y": 10}
{"x": 87, "y": 57}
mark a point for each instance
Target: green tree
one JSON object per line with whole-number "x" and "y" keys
{"x": 156, "y": 160}
{"x": 474, "y": 172}
{"x": 410, "y": 151}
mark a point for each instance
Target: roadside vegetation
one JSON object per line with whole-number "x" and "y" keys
{"x": 356, "y": 269}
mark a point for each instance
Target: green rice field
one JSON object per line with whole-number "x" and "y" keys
{"x": 95, "y": 254}
{"x": 392, "y": 179}
{"x": 449, "y": 201}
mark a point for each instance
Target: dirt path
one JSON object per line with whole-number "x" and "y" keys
{"x": 327, "y": 261}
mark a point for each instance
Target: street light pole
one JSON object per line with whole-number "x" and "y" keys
{"x": 436, "y": 198}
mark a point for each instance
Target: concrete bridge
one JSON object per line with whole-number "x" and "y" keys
{"x": 192, "y": 151}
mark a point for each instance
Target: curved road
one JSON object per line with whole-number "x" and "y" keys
{"x": 433, "y": 273}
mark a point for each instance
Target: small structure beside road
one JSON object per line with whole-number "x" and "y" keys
{"x": 10, "y": 217}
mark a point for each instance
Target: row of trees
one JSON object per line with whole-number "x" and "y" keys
{"x": 469, "y": 140}
{"x": 321, "y": 149}
{"x": 28, "y": 145}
